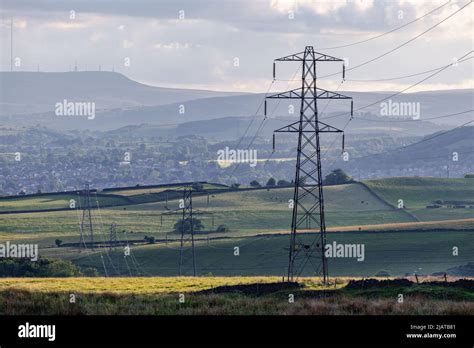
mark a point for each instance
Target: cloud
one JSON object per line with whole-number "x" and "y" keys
{"x": 198, "y": 50}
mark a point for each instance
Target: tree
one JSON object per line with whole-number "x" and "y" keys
{"x": 337, "y": 177}
{"x": 186, "y": 224}
{"x": 255, "y": 183}
{"x": 271, "y": 182}
{"x": 58, "y": 242}
{"x": 222, "y": 228}
{"x": 283, "y": 183}
{"x": 235, "y": 185}
{"x": 149, "y": 240}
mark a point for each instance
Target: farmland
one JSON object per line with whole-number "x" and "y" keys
{"x": 398, "y": 241}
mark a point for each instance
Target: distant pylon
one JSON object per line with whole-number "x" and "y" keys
{"x": 187, "y": 256}
{"x": 113, "y": 235}
{"x": 308, "y": 201}
{"x": 11, "y": 44}
{"x": 87, "y": 226}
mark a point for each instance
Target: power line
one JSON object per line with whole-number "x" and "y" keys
{"x": 406, "y": 76}
{"x": 400, "y": 92}
{"x": 414, "y": 120}
{"x": 418, "y": 142}
{"x": 403, "y": 44}
{"x": 260, "y": 127}
{"x": 386, "y": 33}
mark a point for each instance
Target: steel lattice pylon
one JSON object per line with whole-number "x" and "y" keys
{"x": 308, "y": 199}
{"x": 86, "y": 222}
{"x": 187, "y": 259}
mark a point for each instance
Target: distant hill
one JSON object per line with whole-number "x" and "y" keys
{"x": 226, "y": 128}
{"x": 35, "y": 92}
{"x": 122, "y": 102}
{"x": 434, "y": 151}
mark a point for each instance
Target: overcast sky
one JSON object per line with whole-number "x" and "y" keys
{"x": 199, "y": 50}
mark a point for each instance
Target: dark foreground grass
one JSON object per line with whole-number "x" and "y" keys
{"x": 423, "y": 299}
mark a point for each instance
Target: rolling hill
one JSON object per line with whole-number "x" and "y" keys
{"x": 38, "y": 92}
{"x": 121, "y": 101}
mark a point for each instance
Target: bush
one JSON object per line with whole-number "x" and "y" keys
{"x": 186, "y": 225}
{"x": 149, "y": 240}
{"x": 337, "y": 177}
{"x": 283, "y": 183}
{"x": 43, "y": 267}
{"x": 222, "y": 228}
{"x": 271, "y": 182}
{"x": 255, "y": 183}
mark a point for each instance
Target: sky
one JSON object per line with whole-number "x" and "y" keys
{"x": 230, "y": 45}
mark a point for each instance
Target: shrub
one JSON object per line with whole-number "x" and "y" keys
{"x": 222, "y": 228}
{"x": 255, "y": 183}
{"x": 43, "y": 267}
{"x": 271, "y": 182}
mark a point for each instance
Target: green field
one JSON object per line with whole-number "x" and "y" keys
{"x": 258, "y": 222}
{"x": 244, "y": 212}
{"x": 418, "y": 192}
{"x": 112, "y": 197}
{"x": 58, "y": 201}
{"x": 398, "y": 253}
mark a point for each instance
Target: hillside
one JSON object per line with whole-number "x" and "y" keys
{"x": 432, "y": 104}
{"x": 121, "y": 101}
{"x": 153, "y": 211}
{"x": 431, "y": 153}
{"x": 256, "y": 221}
{"x": 36, "y": 92}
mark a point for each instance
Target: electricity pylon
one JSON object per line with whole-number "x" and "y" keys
{"x": 113, "y": 236}
{"x": 308, "y": 199}
{"x": 86, "y": 222}
{"x": 187, "y": 257}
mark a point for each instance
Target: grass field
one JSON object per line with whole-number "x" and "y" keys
{"x": 258, "y": 221}
{"x": 418, "y": 192}
{"x": 398, "y": 253}
{"x": 185, "y": 296}
{"x": 244, "y": 212}
{"x": 57, "y": 201}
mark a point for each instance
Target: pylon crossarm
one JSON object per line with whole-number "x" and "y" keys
{"x": 298, "y": 57}
{"x": 292, "y": 94}
{"x": 323, "y": 127}
{"x": 323, "y": 94}
{"x": 296, "y": 94}
{"x": 293, "y": 127}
